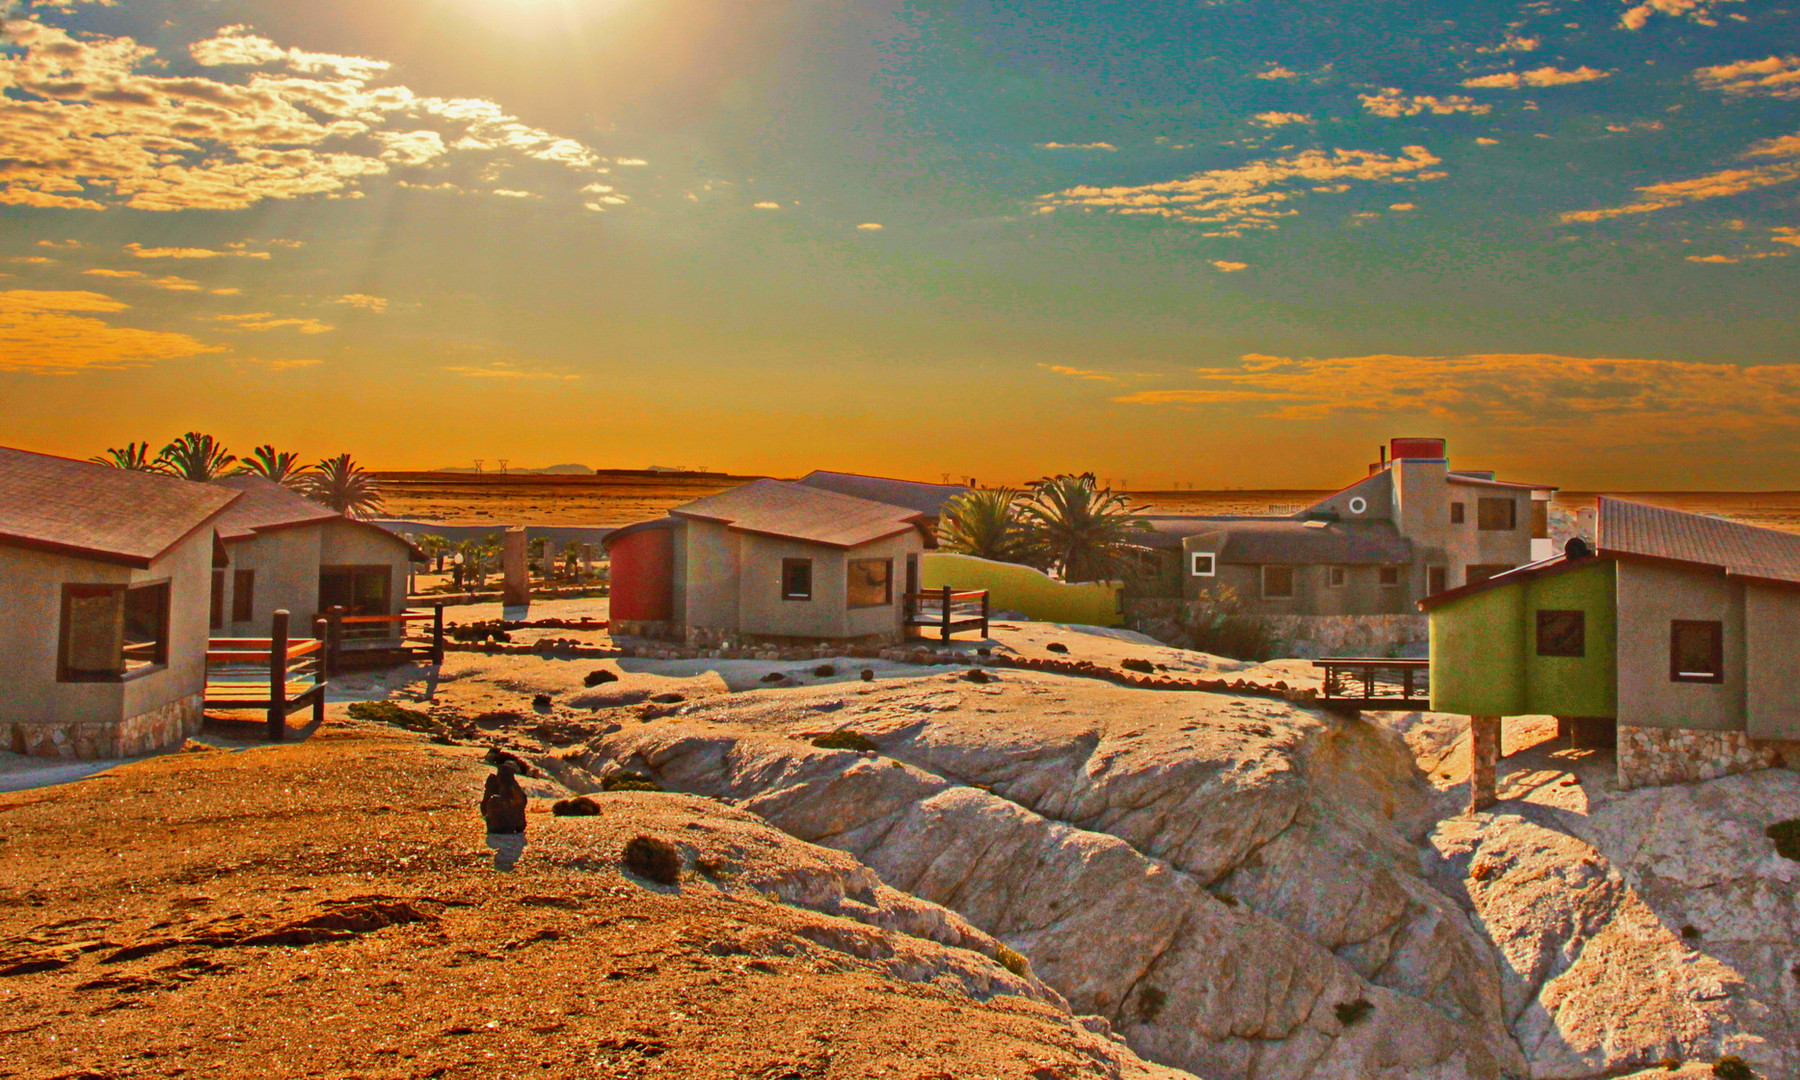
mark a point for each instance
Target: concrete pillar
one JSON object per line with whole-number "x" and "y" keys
{"x": 516, "y": 588}
{"x": 550, "y": 548}
{"x": 1484, "y": 761}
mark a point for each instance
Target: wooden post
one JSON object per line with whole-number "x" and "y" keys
{"x": 984, "y": 613}
{"x": 1484, "y": 761}
{"x": 437, "y": 634}
{"x": 946, "y": 629}
{"x": 1406, "y": 693}
{"x": 278, "y": 662}
{"x": 334, "y": 634}
{"x": 322, "y": 632}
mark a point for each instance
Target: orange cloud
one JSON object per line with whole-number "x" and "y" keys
{"x": 1700, "y": 11}
{"x": 1716, "y": 185}
{"x": 1278, "y": 119}
{"x": 1544, "y": 76}
{"x": 263, "y": 320}
{"x": 1225, "y": 266}
{"x": 1391, "y": 102}
{"x": 1076, "y": 146}
{"x": 59, "y": 333}
{"x": 141, "y": 252}
{"x": 1777, "y": 77}
{"x": 500, "y": 369}
{"x": 364, "y": 301}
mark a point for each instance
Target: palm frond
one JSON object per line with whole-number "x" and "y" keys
{"x": 134, "y": 456}
{"x": 343, "y": 485}
{"x": 196, "y": 457}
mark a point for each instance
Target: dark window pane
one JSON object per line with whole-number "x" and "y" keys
{"x": 243, "y": 596}
{"x": 1496, "y": 515}
{"x": 1561, "y": 633}
{"x": 1696, "y": 651}
{"x": 796, "y": 579}
{"x": 1435, "y": 580}
{"x": 1278, "y": 582}
{"x": 1456, "y": 513}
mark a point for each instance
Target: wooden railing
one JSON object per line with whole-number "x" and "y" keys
{"x": 279, "y": 674}
{"x": 1375, "y": 680}
{"x": 948, "y": 611}
{"x": 343, "y": 632}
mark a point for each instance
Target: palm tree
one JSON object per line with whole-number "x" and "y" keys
{"x": 281, "y": 467}
{"x": 985, "y": 522}
{"x": 197, "y": 457}
{"x": 134, "y": 456}
{"x": 343, "y": 485}
{"x": 1081, "y": 532}
{"x": 435, "y": 548}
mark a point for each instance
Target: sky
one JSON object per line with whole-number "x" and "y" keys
{"x": 1216, "y": 242}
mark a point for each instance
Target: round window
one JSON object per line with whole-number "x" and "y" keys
{"x": 1358, "y": 504}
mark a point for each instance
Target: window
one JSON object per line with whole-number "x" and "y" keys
{"x": 1496, "y": 515}
{"x": 243, "y": 596}
{"x": 1456, "y": 514}
{"x": 1562, "y": 633}
{"x": 1389, "y": 576}
{"x": 796, "y": 579}
{"x": 1334, "y": 577}
{"x": 1277, "y": 582}
{"x": 217, "y": 617}
{"x": 111, "y": 632}
{"x": 869, "y": 583}
{"x": 1476, "y": 573}
{"x": 1436, "y": 580}
{"x": 1696, "y": 651}
{"x": 359, "y": 590}
{"x": 1204, "y": 564}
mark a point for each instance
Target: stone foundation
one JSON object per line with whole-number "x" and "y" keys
{"x": 100, "y": 740}
{"x": 1652, "y": 756}
{"x": 1305, "y": 636}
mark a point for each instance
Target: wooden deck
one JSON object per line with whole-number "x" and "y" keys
{"x": 277, "y": 675}
{"x": 1376, "y": 683}
{"x": 948, "y": 611}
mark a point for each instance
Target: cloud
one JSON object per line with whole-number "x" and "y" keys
{"x": 1776, "y": 77}
{"x": 142, "y": 252}
{"x": 1391, "y": 102}
{"x": 1250, "y": 196}
{"x": 59, "y": 333}
{"x": 1715, "y": 185}
{"x": 500, "y": 369}
{"x": 170, "y": 282}
{"x": 364, "y": 301}
{"x": 92, "y": 122}
{"x": 1277, "y": 119}
{"x": 263, "y": 320}
{"x": 871, "y": 226}
{"x": 276, "y": 365}
{"x": 1224, "y": 266}
{"x": 1278, "y": 72}
{"x": 1700, "y": 11}
{"x": 1711, "y": 259}
{"x": 1076, "y": 146}
{"x": 1786, "y": 234}
{"x": 1544, "y": 76}
{"x": 1080, "y": 373}
{"x": 1627, "y": 400}
{"x": 1512, "y": 43}
{"x": 766, "y": 206}
{"x": 1403, "y": 206}
{"x": 1485, "y": 141}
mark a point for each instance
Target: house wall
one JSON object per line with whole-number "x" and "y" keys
{"x": 1650, "y": 596}
{"x": 1772, "y": 688}
{"x": 642, "y": 576}
{"x": 761, "y": 609}
{"x": 346, "y": 543}
{"x": 41, "y": 716}
{"x": 1377, "y": 492}
{"x": 1029, "y": 591}
{"x": 1361, "y": 594}
{"x": 286, "y": 564}
{"x": 710, "y": 575}
{"x": 1478, "y": 654}
{"x": 1573, "y": 685}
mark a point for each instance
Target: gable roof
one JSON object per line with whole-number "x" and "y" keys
{"x": 1627, "y": 528}
{"x": 928, "y": 499}
{"x": 95, "y": 511}
{"x": 1551, "y": 567}
{"x": 1302, "y": 543}
{"x": 266, "y": 506}
{"x": 802, "y": 512}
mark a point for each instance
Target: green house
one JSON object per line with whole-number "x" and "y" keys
{"x": 1676, "y": 634}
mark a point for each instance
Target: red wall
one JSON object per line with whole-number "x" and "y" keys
{"x": 643, "y": 567}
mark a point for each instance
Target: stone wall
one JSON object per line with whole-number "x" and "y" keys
{"x": 100, "y": 740}
{"x": 702, "y": 637}
{"x": 1652, "y": 756}
{"x": 1306, "y": 636}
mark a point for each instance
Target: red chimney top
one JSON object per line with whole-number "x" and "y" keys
{"x": 1429, "y": 449}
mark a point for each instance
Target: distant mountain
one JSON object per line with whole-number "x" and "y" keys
{"x": 559, "y": 470}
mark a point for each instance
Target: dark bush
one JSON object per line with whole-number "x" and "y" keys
{"x": 1217, "y": 623}
{"x": 1786, "y": 835}
{"x": 1150, "y": 1003}
{"x": 824, "y": 671}
{"x": 1350, "y": 1012}
{"x": 653, "y": 859}
{"x": 1732, "y": 1067}
{"x": 1145, "y": 666}
{"x": 868, "y": 674}
{"x": 1056, "y": 646}
{"x": 386, "y": 712}
{"x": 976, "y": 675}
{"x": 775, "y": 676}
{"x": 846, "y": 740}
{"x": 629, "y": 781}
{"x": 540, "y": 701}
{"x": 598, "y": 676}
{"x": 1013, "y": 960}
{"x": 1690, "y": 931}
{"x": 579, "y": 806}
{"x": 670, "y": 698}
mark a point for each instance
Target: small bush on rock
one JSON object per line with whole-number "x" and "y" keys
{"x": 1013, "y": 960}
{"x": 1151, "y": 1000}
{"x": 629, "y": 781}
{"x": 976, "y": 675}
{"x": 386, "y": 712}
{"x": 1145, "y": 666}
{"x": 846, "y": 740}
{"x": 1786, "y": 835}
{"x": 540, "y": 701}
{"x": 1689, "y": 931}
{"x": 824, "y": 671}
{"x": 654, "y": 859}
{"x": 598, "y": 676}
{"x": 1732, "y": 1067}
{"x": 868, "y": 674}
{"x": 1350, "y": 1012}
{"x": 774, "y": 677}
{"x": 1056, "y": 646}
{"x": 579, "y": 806}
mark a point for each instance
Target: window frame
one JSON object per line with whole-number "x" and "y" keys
{"x": 887, "y": 599}
{"x": 1212, "y": 564}
{"x": 1546, "y": 617}
{"x": 788, "y": 565}
{"x": 1485, "y": 503}
{"x": 1717, "y": 629}
{"x": 1279, "y": 568}
{"x": 1336, "y": 575}
{"x": 1383, "y": 571}
{"x": 159, "y": 658}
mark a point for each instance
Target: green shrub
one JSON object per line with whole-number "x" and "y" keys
{"x": 387, "y": 712}
{"x": 1732, "y": 1067}
{"x": 654, "y": 859}
{"x": 1217, "y": 623}
{"x": 1150, "y": 1004}
{"x": 1350, "y": 1012}
{"x": 629, "y": 781}
{"x": 1012, "y": 960}
{"x": 843, "y": 739}
{"x": 1786, "y": 835}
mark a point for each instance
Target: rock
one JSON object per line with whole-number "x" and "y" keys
{"x": 598, "y": 676}
{"x": 868, "y": 675}
{"x": 1148, "y": 667}
{"x": 824, "y": 671}
{"x": 1056, "y": 647}
{"x": 976, "y": 675}
{"x": 540, "y": 701}
{"x": 670, "y": 698}
{"x": 774, "y": 677}
{"x": 579, "y": 806}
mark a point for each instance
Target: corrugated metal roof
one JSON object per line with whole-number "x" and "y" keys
{"x": 1303, "y": 543}
{"x": 1627, "y": 528}
{"x": 97, "y": 511}
{"x": 266, "y": 505}
{"x": 802, "y": 512}
{"x": 1167, "y": 533}
{"x": 927, "y": 499}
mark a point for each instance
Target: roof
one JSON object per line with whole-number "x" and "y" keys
{"x": 1479, "y": 481}
{"x": 266, "y": 506}
{"x": 927, "y": 499}
{"x": 1168, "y": 532}
{"x": 1627, "y": 528}
{"x": 1556, "y": 564}
{"x": 636, "y": 527}
{"x": 1294, "y": 542}
{"x": 98, "y": 512}
{"x": 802, "y": 512}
